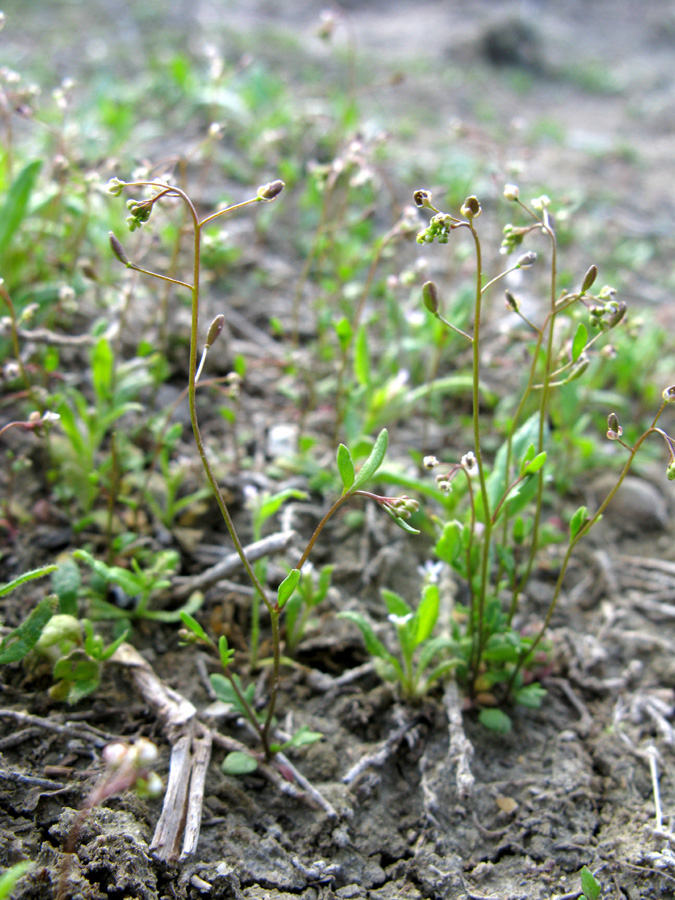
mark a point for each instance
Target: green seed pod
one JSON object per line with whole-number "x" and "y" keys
{"x": 118, "y": 249}
{"x": 589, "y": 279}
{"x": 214, "y": 330}
{"x": 430, "y": 297}
{"x": 668, "y": 394}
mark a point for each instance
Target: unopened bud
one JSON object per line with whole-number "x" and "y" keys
{"x": 471, "y": 208}
{"x": 430, "y": 462}
{"x": 527, "y": 260}
{"x": 422, "y": 199}
{"x": 115, "y": 186}
{"x": 614, "y": 430}
{"x": 589, "y": 279}
{"x": 670, "y": 471}
{"x": 118, "y": 249}
{"x": 668, "y": 394}
{"x": 430, "y": 297}
{"x": 214, "y": 330}
{"x": 511, "y": 301}
{"x": 271, "y": 190}
{"x": 115, "y": 754}
{"x": 511, "y": 192}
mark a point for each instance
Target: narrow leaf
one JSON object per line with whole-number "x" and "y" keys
{"x": 345, "y": 465}
{"x": 193, "y": 625}
{"x": 578, "y": 521}
{"x": 396, "y": 605}
{"x": 427, "y": 613}
{"x": 373, "y": 645}
{"x": 374, "y": 461}
{"x": 579, "y": 342}
{"x": 16, "y": 203}
{"x": 287, "y": 586}
{"x": 362, "y": 358}
{"x": 27, "y": 576}
{"x": 18, "y": 642}
{"x": 535, "y": 464}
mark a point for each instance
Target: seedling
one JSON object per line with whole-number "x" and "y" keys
{"x": 417, "y": 648}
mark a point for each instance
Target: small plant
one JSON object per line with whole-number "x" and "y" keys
{"x": 412, "y": 667}
{"x": 399, "y": 508}
{"x": 495, "y": 545}
{"x": 138, "y": 585}
{"x": 310, "y": 592}
{"x": 589, "y": 885}
{"x": 494, "y": 548}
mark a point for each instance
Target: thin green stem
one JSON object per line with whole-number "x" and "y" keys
{"x": 478, "y": 642}
{"x": 575, "y": 540}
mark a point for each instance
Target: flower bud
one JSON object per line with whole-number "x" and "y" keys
{"x": 430, "y": 462}
{"x": 147, "y": 752}
{"x": 511, "y": 301}
{"x": 118, "y": 249}
{"x": 511, "y": 192}
{"x": 214, "y": 330}
{"x": 422, "y": 199}
{"x": 540, "y": 203}
{"x": 589, "y": 279}
{"x": 614, "y": 430}
{"x": 271, "y": 190}
{"x": 115, "y": 754}
{"x": 526, "y": 260}
{"x": 670, "y": 471}
{"x": 471, "y": 208}
{"x": 115, "y": 186}
{"x": 668, "y": 394}
{"x": 430, "y": 297}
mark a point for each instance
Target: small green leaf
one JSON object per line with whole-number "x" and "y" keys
{"x": 345, "y": 465}
{"x": 302, "y": 737}
{"x": 193, "y": 625}
{"x": 16, "y": 203}
{"x": 226, "y": 654}
{"x": 402, "y": 524}
{"x": 344, "y": 332}
{"x": 66, "y": 583}
{"x": 535, "y": 464}
{"x": 239, "y": 763}
{"x": 530, "y": 696}
{"x": 102, "y": 369}
{"x": 374, "y": 461}
{"x": 287, "y": 586}
{"x": 18, "y": 642}
{"x": 362, "y": 358}
{"x": 495, "y": 720}
{"x": 578, "y": 521}
{"x": 373, "y": 645}
{"x": 27, "y": 576}
{"x": 396, "y": 605}
{"x": 449, "y": 545}
{"x": 9, "y": 878}
{"x": 427, "y": 613}
{"x": 579, "y": 342}
{"x": 589, "y": 884}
